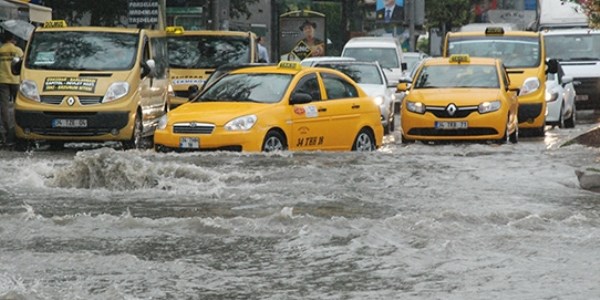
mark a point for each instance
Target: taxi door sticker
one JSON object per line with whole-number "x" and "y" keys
{"x": 311, "y": 111}
{"x": 70, "y": 84}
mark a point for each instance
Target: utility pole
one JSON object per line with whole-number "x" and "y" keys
{"x": 221, "y": 14}
{"x": 411, "y": 24}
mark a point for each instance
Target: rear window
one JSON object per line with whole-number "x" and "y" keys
{"x": 386, "y": 57}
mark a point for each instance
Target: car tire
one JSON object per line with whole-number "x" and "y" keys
{"x": 137, "y": 139}
{"x": 561, "y": 119}
{"x": 514, "y": 137}
{"x": 23, "y": 144}
{"x": 274, "y": 141}
{"x": 405, "y": 140}
{"x": 504, "y": 139}
{"x": 56, "y": 145}
{"x": 364, "y": 141}
{"x": 570, "y": 122}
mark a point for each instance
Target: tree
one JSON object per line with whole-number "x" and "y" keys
{"x": 591, "y": 8}
{"x": 447, "y": 14}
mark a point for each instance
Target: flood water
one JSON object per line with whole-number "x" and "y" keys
{"x": 451, "y": 221}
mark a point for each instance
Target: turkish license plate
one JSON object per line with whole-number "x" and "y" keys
{"x": 451, "y": 125}
{"x": 582, "y": 97}
{"x": 69, "y": 123}
{"x": 189, "y": 143}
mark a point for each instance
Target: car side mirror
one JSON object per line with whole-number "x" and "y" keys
{"x": 300, "y": 98}
{"x": 402, "y": 87}
{"x": 193, "y": 91}
{"x": 552, "y": 66}
{"x": 514, "y": 88}
{"x": 148, "y": 68}
{"x": 15, "y": 66}
{"x": 404, "y": 66}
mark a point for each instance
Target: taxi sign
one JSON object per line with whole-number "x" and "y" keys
{"x": 494, "y": 30}
{"x": 55, "y": 24}
{"x": 174, "y": 29}
{"x": 460, "y": 58}
{"x": 290, "y": 65}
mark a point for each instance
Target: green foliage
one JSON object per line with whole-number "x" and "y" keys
{"x": 448, "y": 13}
{"x": 239, "y": 8}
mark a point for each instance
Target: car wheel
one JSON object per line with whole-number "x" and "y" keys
{"x": 56, "y": 145}
{"x": 514, "y": 137}
{"x": 504, "y": 139}
{"x": 364, "y": 141}
{"x": 274, "y": 141}
{"x": 392, "y": 121}
{"x": 570, "y": 122}
{"x": 406, "y": 141}
{"x": 561, "y": 119}
{"x": 23, "y": 144}
{"x": 136, "y": 141}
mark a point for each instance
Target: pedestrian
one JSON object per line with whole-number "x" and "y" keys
{"x": 9, "y": 85}
{"x": 263, "y": 53}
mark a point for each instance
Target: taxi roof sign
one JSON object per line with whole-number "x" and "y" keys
{"x": 290, "y": 65}
{"x": 174, "y": 29}
{"x": 460, "y": 58}
{"x": 55, "y": 24}
{"x": 494, "y": 30}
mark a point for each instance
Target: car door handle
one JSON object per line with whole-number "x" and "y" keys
{"x": 355, "y": 106}
{"x": 322, "y": 109}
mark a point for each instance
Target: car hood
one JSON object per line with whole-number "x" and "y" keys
{"x": 459, "y": 97}
{"x": 374, "y": 90}
{"x": 217, "y": 113}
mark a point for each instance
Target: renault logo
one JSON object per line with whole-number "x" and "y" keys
{"x": 451, "y": 109}
{"x": 71, "y": 101}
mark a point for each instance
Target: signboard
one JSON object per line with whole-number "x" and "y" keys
{"x": 142, "y": 12}
{"x": 302, "y": 36}
{"x": 389, "y": 11}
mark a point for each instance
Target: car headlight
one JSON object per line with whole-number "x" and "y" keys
{"x": 241, "y": 123}
{"x": 116, "y": 91}
{"x": 29, "y": 90}
{"x": 530, "y": 85}
{"x": 416, "y": 107}
{"x": 170, "y": 91}
{"x": 162, "y": 122}
{"x": 489, "y": 106}
{"x": 551, "y": 96}
{"x": 378, "y": 100}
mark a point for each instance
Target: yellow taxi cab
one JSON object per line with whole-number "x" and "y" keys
{"x": 91, "y": 84}
{"x": 195, "y": 54}
{"x": 524, "y": 56}
{"x": 460, "y": 98}
{"x": 271, "y": 108}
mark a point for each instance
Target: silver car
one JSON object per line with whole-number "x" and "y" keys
{"x": 371, "y": 78}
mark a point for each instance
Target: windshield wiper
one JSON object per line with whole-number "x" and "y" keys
{"x": 584, "y": 58}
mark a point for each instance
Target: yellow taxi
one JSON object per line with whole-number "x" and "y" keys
{"x": 274, "y": 108}
{"x": 195, "y": 54}
{"x": 524, "y": 56}
{"x": 460, "y": 98}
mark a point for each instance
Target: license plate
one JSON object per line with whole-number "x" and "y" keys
{"x": 69, "y": 123}
{"x": 189, "y": 143}
{"x": 451, "y": 125}
{"x": 581, "y": 97}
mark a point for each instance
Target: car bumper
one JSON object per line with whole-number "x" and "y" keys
{"x": 218, "y": 139}
{"x": 532, "y": 110}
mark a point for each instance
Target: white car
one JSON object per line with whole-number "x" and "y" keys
{"x": 371, "y": 78}
{"x": 560, "y": 100}
{"x": 412, "y": 60}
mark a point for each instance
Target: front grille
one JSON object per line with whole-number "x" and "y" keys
{"x": 441, "y": 112}
{"x": 87, "y": 100}
{"x": 193, "y": 128}
{"x": 529, "y": 111}
{"x": 475, "y": 131}
{"x": 51, "y": 99}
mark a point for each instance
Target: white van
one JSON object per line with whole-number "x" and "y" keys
{"x": 386, "y": 50}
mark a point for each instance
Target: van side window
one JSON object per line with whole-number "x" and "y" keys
{"x": 159, "y": 51}
{"x": 338, "y": 88}
{"x": 309, "y": 85}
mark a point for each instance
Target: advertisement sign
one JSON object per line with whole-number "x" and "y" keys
{"x": 389, "y": 11}
{"x": 302, "y": 37}
{"x": 142, "y": 12}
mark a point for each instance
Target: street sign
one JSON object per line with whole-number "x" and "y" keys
{"x": 142, "y": 12}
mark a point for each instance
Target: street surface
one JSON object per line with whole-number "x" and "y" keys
{"x": 452, "y": 221}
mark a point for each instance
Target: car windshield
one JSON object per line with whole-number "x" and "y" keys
{"x": 457, "y": 76}
{"x": 385, "y": 56}
{"x": 579, "y": 47}
{"x": 82, "y": 50}
{"x": 515, "y": 52}
{"x": 252, "y": 87}
{"x": 411, "y": 61}
{"x": 360, "y": 73}
{"x": 197, "y": 52}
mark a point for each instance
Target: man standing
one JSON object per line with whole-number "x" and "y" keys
{"x": 263, "y": 53}
{"x": 9, "y": 85}
{"x": 391, "y": 12}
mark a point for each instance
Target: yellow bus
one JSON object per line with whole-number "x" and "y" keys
{"x": 523, "y": 54}
{"x": 91, "y": 84}
{"x": 194, "y": 55}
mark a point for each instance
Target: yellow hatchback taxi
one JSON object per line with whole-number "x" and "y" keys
{"x": 460, "y": 98}
{"x": 271, "y": 108}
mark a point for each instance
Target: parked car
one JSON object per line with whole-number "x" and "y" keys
{"x": 371, "y": 78}
{"x": 272, "y": 108}
{"x": 560, "y": 99}
{"x": 460, "y": 98}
